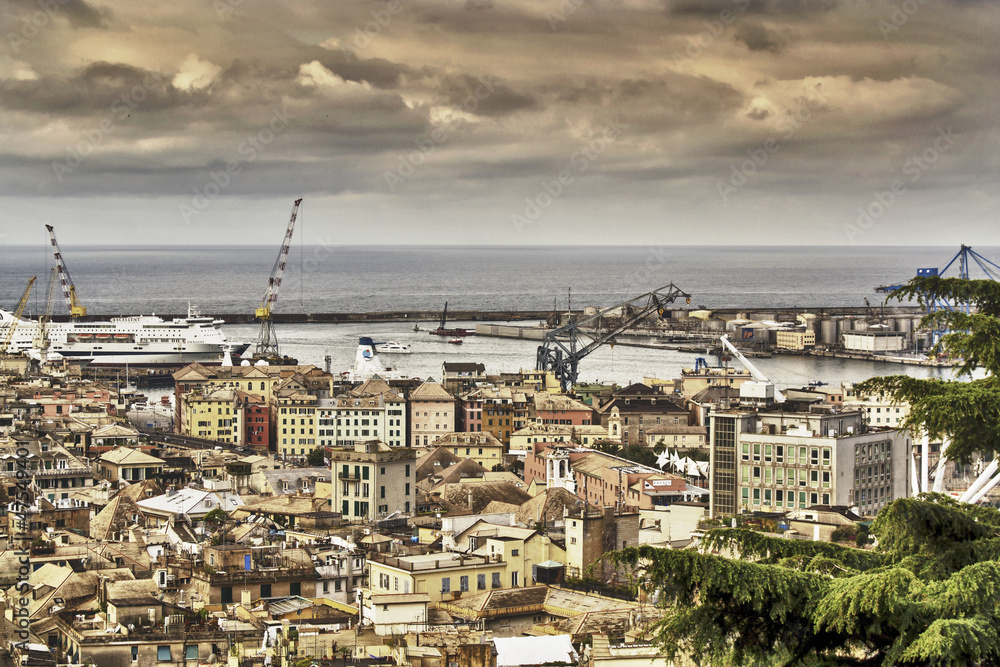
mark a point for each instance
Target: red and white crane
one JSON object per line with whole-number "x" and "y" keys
{"x": 267, "y": 341}
{"x": 76, "y": 309}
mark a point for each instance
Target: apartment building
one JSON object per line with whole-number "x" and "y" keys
{"x": 373, "y": 411}
{"x": 432, "y": 414}
{"x": 372, "y": 480}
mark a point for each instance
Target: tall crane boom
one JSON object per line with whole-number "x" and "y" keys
{"x": 17, "y": 316}
{"x": 754, "y": 371}
{"x": 564, "y": 347}
{"x": 42, "y": 338}
{"x": 267, "y": 341}
{"x": 76, "y": 309}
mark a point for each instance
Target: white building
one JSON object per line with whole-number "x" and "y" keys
{"x": 373, "y": 411}
{"x": 874, "y": 341}
{"x": 778, "y": 461}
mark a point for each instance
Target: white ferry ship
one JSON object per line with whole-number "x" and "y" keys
{"x": 142, "y": 340}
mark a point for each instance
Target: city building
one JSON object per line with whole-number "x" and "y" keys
{"x": 787, "y": 338}
{"x": 373, "y": 411}
{"x": 373, "y": 480}
{"x": 641, "y": 408}
{"x": 130, "y": 465}
{"x": 778, "y": 460}
{"x": 432, "y": 413}
{"x": 562, "y": 410}
{"x": 481, "y": 447}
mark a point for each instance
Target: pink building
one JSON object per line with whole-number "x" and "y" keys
{"x": 559, "y": 409}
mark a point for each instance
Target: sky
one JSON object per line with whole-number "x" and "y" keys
{"x": 501, "y": 122}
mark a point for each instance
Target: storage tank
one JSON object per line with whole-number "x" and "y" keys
{"x": 903, "y": 324}
{"x": 860, "y": 325}
{"x": 828, "y": 331}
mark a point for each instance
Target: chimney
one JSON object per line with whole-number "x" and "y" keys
{"x": 102, "y": 590}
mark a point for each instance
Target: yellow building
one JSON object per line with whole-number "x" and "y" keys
{"x": 295, "y": 409}
{"x": 260, "y": 380}
{"x": 795, "y": 339}
{"x": 481, "y": 447}
{"x": 500, "y": 557}
{"x": 211, "y": 414}
{"x": 443, "y": 576}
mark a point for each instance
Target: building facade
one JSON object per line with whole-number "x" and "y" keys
{"x": 373, "y": 480}
{"x": 779, "y": 461}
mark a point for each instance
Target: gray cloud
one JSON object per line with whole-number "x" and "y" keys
{"x": 484, "y": 102}
{"x": 758, "y": 38}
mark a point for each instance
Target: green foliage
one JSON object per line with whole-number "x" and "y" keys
{"x": 967, "y": 412}
{"x": 928, "y": 594}
{"x": 845, "y": 533}
{"x": 217, "y": 517}
{"x": 316, "y": 457}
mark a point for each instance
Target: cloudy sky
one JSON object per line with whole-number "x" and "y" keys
{"x": 501, "y": 121}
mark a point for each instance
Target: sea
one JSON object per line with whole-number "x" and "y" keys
{"x": 133, "y": 280}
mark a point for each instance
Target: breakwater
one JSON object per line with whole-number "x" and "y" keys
{"x": 522, "y": 315}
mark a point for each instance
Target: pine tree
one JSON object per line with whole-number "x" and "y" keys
{"x": 966, "y": 411}
{"x": 928, "y": 594}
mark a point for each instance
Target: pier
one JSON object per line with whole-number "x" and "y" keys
{"x": 512, "y": 315}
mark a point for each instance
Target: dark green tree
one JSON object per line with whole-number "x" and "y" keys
{"x": 965, "y": 410}
{"x": 316, "y": 457}
{"x": 928, "y": 595}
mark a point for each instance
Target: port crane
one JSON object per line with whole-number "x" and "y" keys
{"x": 267, "y": 341}
{"x": 754, "y": 371}
{"x": 563, "y": 347}
{"x": 965, "y": 257}
{"x": 17, "y": 316}
{"x": 76, "y": 309}
{"x": 41, "y": 335}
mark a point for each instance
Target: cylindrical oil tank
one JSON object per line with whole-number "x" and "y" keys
{"x": 860, "y": 325}
{"x": 903, "y": 324}
{"x": 828, "y": 331}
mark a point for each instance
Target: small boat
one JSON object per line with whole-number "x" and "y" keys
{"x": 393, "y": 347}
{"x": 455, "y": 341}
{"x": 123, "y": 337}
{"x": 103, "y": 337}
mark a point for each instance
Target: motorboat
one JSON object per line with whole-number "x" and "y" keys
{"x": 393, "y": 347}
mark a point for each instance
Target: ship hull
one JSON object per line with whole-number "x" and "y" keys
{"x": 140, "y": 341}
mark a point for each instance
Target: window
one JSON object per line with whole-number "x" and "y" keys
{"x": 191, "y": 652}
{"x": 135, "y": 652}
{"x": 515, "y": 578}
{"x": 265, "y": 590}
{"x": 463, "y": 582}
{"x": 446, "y": 584}
{"x": 295, "y": 588}
{"x": 163, "y": 653}
{"x": 496, "y": 580}
{"x": 480, "y": 582}
{"x": 227, "y": 597}
{"x": 515, "y": 552}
